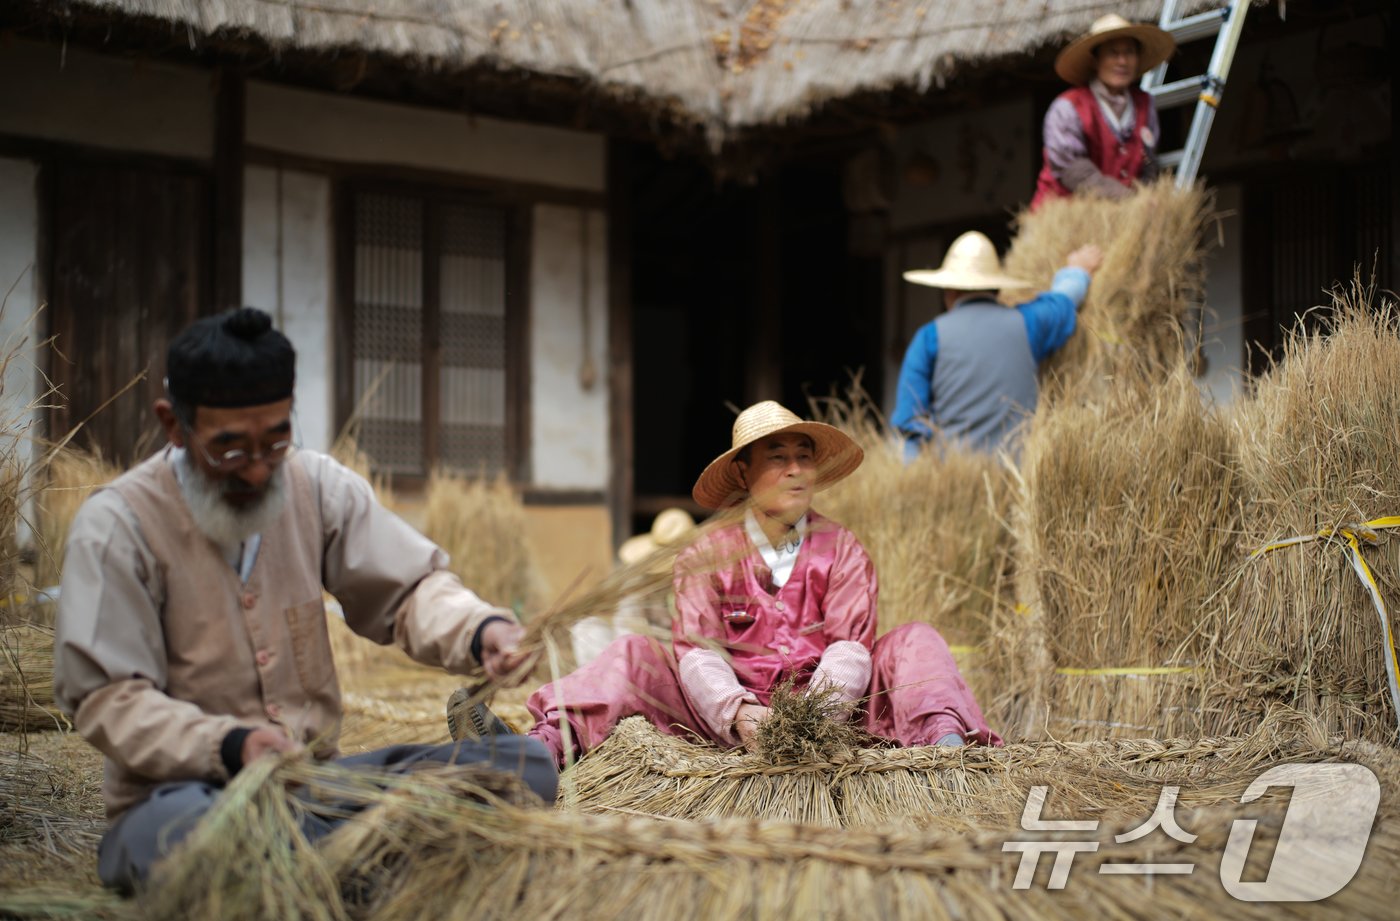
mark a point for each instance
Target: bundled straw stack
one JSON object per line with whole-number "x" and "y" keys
{"x": 1319, "y": 441}
{"x": 436, "y": 844}
{"x": 1139, "y": 310}
{"x": 639, "y": 770}
{"x": 933, "y": 527}
{"x": 70, "y": 476}
{"x": 481, "y": 525}
{"x": 26, "y": 679}
{"x": 1126, "y": 527}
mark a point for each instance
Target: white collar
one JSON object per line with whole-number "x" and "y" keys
{"x": 781, "y": 561}
{"x": 760, "y": 539}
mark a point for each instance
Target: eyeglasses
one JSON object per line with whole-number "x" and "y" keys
{"x": 237, "y": 458}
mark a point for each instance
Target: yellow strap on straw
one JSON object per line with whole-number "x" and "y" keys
{"x": 1354, "y": 534}
{"x": 1143, "y": 670}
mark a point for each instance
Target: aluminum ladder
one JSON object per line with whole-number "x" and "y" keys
{"x": 1226, "y": 24}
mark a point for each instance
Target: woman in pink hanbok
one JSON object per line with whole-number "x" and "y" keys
{"x": 781, "y": 593}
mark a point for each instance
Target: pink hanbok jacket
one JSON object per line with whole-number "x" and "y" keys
{"x": 725, "y": 599}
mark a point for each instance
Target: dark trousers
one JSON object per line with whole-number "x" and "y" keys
{"x": 148, "y": 831}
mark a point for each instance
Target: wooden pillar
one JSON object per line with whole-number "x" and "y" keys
{"x": 228, "y": 190}
{"x": 620, "y": 429}
{"x": 764, "y": 356}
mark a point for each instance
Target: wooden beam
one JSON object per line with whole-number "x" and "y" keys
{"x": 229, "y": 110}
{"x": 504, "y": 191}
{"x": 620, "y": 421}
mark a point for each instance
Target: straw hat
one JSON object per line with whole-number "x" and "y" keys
{"x": 837, "y": 455}
{"x": 669, "y": 527}
{"x": 971, "y": 264}
{"x": 1076, "y": 63}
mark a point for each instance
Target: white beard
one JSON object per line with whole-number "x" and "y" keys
{"x": 221, "y": 522}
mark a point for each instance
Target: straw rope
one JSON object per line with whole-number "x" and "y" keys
{"x": 448, "y": 844}
{"x": 638, "y": 770}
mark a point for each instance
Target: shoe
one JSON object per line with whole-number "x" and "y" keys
{"x": 951, "y": 739}
{"x": 472, "y": 723}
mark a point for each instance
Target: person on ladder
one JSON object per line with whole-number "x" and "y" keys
{"x": 1100, "y": 136}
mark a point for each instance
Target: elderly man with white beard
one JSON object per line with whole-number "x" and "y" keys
{"x": 191, "y": 635}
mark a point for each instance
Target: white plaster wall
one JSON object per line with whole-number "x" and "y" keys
{"x": 19, "y": 241}
{"x": 970, "y": 164}
{"x": 568, "y": 422}
{"x": 360, "y": 131}
{"x": 61, "y": 93}
{"x": 287, "y": 272}
{"x": 19, "y": 321}
{"x": 1222, "y": 337}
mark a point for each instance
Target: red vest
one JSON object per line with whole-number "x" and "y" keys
{"x": 1115, "y": 159}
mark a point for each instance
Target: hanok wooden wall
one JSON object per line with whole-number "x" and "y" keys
{"x": 128, "y": 267}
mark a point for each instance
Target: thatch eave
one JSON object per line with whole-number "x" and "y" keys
{"x": 675, "y": 71}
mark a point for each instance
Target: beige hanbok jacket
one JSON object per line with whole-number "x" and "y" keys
{"x": 161, "y": 650}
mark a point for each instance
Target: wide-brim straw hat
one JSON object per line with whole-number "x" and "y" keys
{"x": 669, "y": 527}
{"x": 1076, "y": 63}
{"x": 836, "y": 453}
{"x": 971, "y": 264}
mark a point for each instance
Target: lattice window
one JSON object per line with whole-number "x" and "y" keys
{"x": 432, "y": 362}
{"x": 472, "y": 384}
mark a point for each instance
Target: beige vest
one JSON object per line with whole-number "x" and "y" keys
{"x": 258, "y": 651}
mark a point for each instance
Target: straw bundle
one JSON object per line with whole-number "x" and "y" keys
{"x": 1126, "y": 526}
{"x": 481, "y": 525}
{"x": 70, "y": 476}
{"x": 1319, "y": 442}
{"x": 639, "y": 770}
{"x": 1141, "y": 298}
{"x": 933, "y": 527}
{"x": 806, "y": 725}
{"x": 26, "y": 679}
{"x": 1010, "y": 673}
{"x": 451, "y": 844}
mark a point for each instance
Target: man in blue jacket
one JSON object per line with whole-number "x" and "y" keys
{"x": 972, "y": 372}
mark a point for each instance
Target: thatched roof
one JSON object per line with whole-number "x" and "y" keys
{"x": 725, "y": 65}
